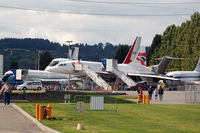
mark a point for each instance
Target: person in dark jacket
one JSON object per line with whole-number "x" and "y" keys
{"x": 150, "y": 91}
{"x": 160, "y": 92}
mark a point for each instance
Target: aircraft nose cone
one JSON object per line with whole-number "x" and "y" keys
{"x": 47, "y": 69}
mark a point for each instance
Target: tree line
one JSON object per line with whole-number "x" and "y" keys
{"x": 23, "y": 53}
{"x": 178, "y": 41}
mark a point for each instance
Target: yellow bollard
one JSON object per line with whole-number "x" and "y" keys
{"x": 147, "y": 99}
{"x": 37, "y": 111}
{"x": 41, "y": 112}
{"x": 48, "y": 109}
{"x": 143, "y": 99}
{"x": 139, "y": 98}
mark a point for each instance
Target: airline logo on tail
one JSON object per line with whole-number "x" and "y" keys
{"x": 142, "y": 58}
{"x": 133, "y": 51}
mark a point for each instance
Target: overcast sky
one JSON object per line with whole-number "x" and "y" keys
{"x": 92, "y": 21}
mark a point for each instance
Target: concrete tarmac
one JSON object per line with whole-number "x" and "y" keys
{"x": 169, "y": 97}
{"x": 12, "y": 121}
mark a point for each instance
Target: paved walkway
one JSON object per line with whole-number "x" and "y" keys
{"x": 12, "y": 121}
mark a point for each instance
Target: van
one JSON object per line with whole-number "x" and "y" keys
{"x": 30, "y": 85}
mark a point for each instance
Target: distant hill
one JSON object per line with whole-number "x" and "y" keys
{"x": 25, "y": 51}
{"x": 178, "y": 41}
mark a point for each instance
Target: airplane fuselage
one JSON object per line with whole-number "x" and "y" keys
{"x": 68, "y": 67}
{"x": 185, "y": 75}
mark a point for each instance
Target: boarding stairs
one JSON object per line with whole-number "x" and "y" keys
{"x": 127, "y": 80}
{"x": 95, "y": 77}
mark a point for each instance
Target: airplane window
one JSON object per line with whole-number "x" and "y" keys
{"x": 53, "y": 63}
{"x": 63, "y": 65}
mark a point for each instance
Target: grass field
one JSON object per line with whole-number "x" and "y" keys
{"x": 129, "y": 118}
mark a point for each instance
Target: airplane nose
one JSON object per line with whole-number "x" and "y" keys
{"x": 48, "y": 69}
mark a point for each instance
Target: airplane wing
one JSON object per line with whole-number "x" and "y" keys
{"x": 155, "y": 77}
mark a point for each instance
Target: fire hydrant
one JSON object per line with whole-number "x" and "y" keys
{"x": 48, "y": 109}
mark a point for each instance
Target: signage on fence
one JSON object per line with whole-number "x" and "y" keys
{"x": 97, "y": 103}
{"x": 80, "y": 107}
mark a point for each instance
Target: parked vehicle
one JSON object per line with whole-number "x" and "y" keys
{"x": 30, "y": 85}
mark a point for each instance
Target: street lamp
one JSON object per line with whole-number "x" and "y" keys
{"x": 69, "y": 53}
{"x": 69, "y": 48}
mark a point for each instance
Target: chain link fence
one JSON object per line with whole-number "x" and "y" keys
{"x": 96, "y": 103}
{"x": 192, "y": 94}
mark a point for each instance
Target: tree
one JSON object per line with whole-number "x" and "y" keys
{"x": 121, "y": 53}
{"x": 14, "y": 64}
{"x": 181, "y": 42}
{"x": 155, "y": 44}
{"x": 45, "y": 59}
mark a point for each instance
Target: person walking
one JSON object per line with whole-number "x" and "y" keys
{"x": 5, "y": 90}
{"x": 156, "y": 93}
{"x": 161, "y": 90}
{"x": 150, "y": 91}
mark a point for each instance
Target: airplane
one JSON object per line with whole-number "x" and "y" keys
{"x": 134, "y": 65}
{"x": 45, "y": 75}
{"x": 188, "y": 76}
{"x": 68, "y": 67}
{"x": 74, "y": 56}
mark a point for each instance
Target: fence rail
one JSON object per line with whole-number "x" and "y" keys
{"x": 192, "y": 94}
{"x": 97, "y": 102}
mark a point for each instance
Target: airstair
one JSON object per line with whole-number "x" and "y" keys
{"x": 94, "y": 76}
{"x": 127, "y": 80}
{"x": 111, "y": 66}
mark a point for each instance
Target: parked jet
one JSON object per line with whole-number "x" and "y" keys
{"x": 68, "y": 67}
{"x": 186, "y": 75}
{"x": 74, "y": 56}
{"x": 134, "y": 64}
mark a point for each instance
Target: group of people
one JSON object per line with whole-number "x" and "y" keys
{"x": 159, "y": 91}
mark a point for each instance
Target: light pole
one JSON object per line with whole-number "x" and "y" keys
{"x": 69, "y": 48}
{"x": 69, "y": 53}
{"x": 38, "y": 60}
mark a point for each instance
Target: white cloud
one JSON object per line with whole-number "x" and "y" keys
{"x": 85, "y": 28}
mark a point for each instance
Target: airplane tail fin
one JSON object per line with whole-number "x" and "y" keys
{"x": 140, "y": 58}
{"x": 74, "y": 54}
{"x": 198, "y": 66}
{"x": 133, "y": 51}
{"x": 162, "y": 66}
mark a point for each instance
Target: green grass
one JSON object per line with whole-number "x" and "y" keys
{"x": 130, "y": 118}
{"x": 126, "y": 97}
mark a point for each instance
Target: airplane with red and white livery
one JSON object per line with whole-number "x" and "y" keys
{"x": 134, "y": 65}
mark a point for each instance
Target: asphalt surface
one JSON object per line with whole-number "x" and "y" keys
{"x": 169, "y": 97}
{"x": 12, "y": 121}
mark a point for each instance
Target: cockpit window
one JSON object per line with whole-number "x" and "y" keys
{"x": 63, "y": 64}
{"x": 53, "y": 63}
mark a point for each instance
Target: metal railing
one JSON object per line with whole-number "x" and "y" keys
{"x": 96, "y": 103}
{"x": 192, "y": 94}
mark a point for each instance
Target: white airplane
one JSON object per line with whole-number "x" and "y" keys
{"x": 46, "y": 75}
{"x": 134, "y": 65}
{"x": 187, "y": 76}
{"x": 67, "y": 67}
{"x": 74, "y": 56}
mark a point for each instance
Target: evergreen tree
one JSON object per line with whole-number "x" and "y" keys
{"x": 45, "y": 59}
{"x": 14, "y": 64}
{"x": 155, "y": 45}
{"x": 121, "y": 53}
{"x": 181, "y": 42}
